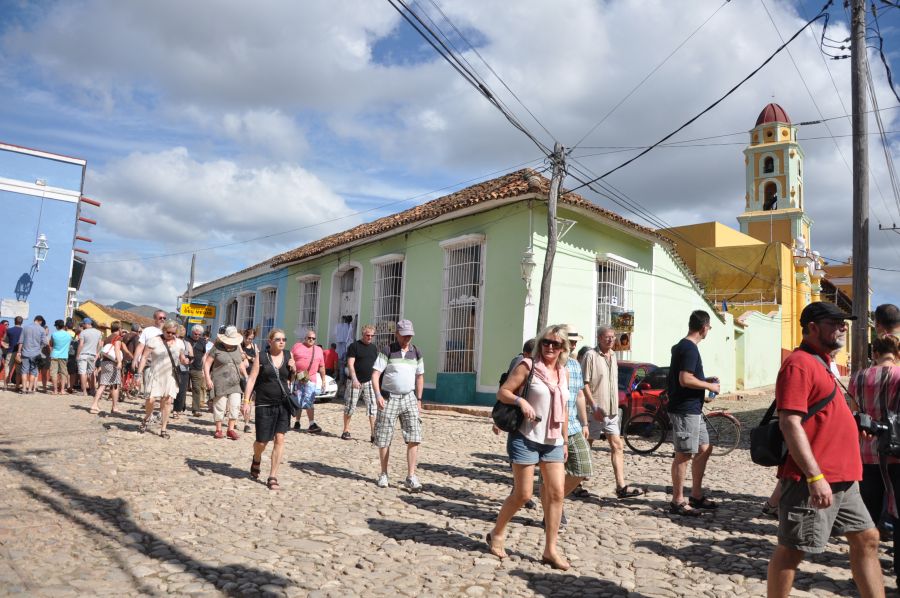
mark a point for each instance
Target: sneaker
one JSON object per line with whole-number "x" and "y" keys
{"x": 383, "y": 481}
{"x": 232, "y": 435}
{"x": 412, "y": 484}
{"x": 345, "y": 436}
{"x": 314, "y": 428}
{"x": 246, "y": 428}
{"x": 297, "y": 425}
{"x": 770, "y": 511}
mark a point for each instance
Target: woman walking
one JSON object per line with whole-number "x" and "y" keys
{"x": 249, "y": 350}
{"x": 223, "y": 368}
{"x": 541, "y": 439}
{"x": 183, "y": 374}
{"x": 110, "y": 369}
{"x": 270, "y": 378}
{"x": 165, "y": 352}
{"x": 876, "y": 391}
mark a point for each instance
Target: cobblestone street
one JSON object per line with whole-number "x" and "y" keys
{"x": 91, "y": 507}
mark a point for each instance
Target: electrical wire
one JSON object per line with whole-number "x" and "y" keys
{"x": 880, "y": 48}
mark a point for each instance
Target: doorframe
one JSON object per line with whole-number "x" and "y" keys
{"x": 334, "y": 305}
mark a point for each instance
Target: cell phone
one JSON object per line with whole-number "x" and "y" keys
{"x": 538, "y": 418}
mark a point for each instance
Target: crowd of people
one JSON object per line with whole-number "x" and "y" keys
{"x": 838, "y": 477}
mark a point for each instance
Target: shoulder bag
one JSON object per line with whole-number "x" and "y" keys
{"x": 508, "y": 417}
{"x": 285, "y": 392}
{"x": 767, "y": 446}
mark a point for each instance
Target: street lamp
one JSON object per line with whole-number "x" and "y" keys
{"x": 40, "y": 250}
{"x": 528, "y": 265}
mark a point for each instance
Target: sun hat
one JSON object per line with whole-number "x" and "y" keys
{"x": 231, "y": 336}
{"x": 573, "y": 334}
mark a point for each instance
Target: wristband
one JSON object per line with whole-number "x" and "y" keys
{"x": 516, "y": 402}
{"x": 815, "y": 478}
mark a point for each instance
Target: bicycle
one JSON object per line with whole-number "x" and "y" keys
{"x": 646, "y": 430}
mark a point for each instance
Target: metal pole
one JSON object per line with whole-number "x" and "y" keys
{"x": 559, "y": 167}
{"x": 860, "y": 340}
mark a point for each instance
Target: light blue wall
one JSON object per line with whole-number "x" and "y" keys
{"x": 221, "y": 296}
{"x": 29, "y": 168}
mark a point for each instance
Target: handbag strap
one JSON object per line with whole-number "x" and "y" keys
{"x": 527, "y": 385}
{"x": 278, "y": 373}
{"x": 169, "y": 352}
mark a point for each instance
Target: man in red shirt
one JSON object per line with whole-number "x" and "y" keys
{"x": 330, "y": 356}
{"x": 820, "y": 478}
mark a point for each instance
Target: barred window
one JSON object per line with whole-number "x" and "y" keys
{"x": 309, "y": 303}
{"x": 613, "y": 288}
{"x": 388, "y": 288}
{"x": 461, "y": 302}
{"x": 247, "y": 310}
{"x": 268, "y": 313}
{"x": 231, "y": 313}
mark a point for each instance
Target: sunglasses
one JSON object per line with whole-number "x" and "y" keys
{"x": 310, "y": 338}
{"x": 546, "y": 342}
{"x": 278, "y": 339}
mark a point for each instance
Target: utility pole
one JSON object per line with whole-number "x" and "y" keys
{"x": 860, "y": 341}
{"x": 559, "y": 170}
{"x": 190, "y": 289}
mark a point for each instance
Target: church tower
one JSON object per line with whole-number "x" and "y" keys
{"x": 774, "y": 199}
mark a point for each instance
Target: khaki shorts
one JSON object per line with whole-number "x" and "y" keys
{"x": 807, "y": 529}
{"x": 59, "y": 367}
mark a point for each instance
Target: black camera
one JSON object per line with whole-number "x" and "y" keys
{"x": 866, "y": 424}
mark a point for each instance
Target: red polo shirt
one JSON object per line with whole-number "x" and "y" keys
{"x": 802, "y": 382}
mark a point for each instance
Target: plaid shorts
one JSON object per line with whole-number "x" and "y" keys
{"x": 352, "y": 396}
{"x": 579, "y": 462}
{"x": 406, "y": 408}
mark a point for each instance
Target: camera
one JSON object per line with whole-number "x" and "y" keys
{"x": 866, "y": 424}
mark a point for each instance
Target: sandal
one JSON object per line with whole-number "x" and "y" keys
{"x": 143, "y": 427}
{"x": 254, "y": 469}
{"x": 703, "y": 503}
{"x": 164, "y": 434}
{"x": 627, "y": 491}
{"x": 683, "y": 509}
{"x": 582, "y": 492}
{"x": 272, "y": 484}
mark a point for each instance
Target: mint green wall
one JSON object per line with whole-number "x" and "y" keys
{"x": 760, "y": 361}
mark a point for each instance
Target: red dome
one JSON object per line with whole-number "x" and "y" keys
{"x": 773, "y": 113}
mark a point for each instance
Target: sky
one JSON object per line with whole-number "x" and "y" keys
{"x": 240, "y": 130}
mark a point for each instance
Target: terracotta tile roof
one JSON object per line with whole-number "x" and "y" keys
{"x": 128, "y": 316}
{"x": 515, "y": 184}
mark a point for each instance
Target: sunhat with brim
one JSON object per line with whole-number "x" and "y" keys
{"x": 230, "y": 337}
{"x": 573, "y": 334}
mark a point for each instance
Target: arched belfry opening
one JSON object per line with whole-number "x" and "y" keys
{"x": 770, "y": 194}
{"x": 768, "y": 165}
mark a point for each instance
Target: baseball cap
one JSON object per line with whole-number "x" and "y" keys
{"x": 405, "y": 328}
{"x": 87, "y": 321}
{"x": 822, "y": 310}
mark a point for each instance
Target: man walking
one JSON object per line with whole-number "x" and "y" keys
{"x": 687, "y": 388}
{"x": 33, "y": 339}
{"x": 198, "y": 381}
{"x": 398, "y": 379}
{"x": 86, "y": 355}
{"x": 361, "y": 357}
{"x": 820, "y": 478}
{"x": 310, "y": 364}
{"x": 578, "y": 460}
{"x": 601, "y": 393}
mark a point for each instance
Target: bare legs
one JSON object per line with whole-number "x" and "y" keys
{"x": 277, "y": 453}
{"x": 698, "y": 468}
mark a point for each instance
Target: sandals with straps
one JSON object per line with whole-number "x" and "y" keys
{"x": 254, "y": 469}
{"x": 703, "y": 503}
{"x": 627, "y": 491}
{"x": 164, "y": 434}
{"x": 272, "y": 484}
{"x": 683, "y": 509}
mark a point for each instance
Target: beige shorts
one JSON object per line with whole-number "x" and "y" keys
{"x": 807, "y": 529}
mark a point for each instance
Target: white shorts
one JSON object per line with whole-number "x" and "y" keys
{"x": 610, "y": 426}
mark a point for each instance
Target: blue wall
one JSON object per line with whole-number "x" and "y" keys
{"x": 29, "y": 168}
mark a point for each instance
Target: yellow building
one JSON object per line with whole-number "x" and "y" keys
{"x": 768, "y": 265}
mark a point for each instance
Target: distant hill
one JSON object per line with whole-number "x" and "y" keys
{"x": 141, "y": 310}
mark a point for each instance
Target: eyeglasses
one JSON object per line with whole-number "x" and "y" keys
{"x": 160, "y": 318}
{"x": 368, "y": 335}
{"x": 310, "y": 338}
{"x": 279, "y": 339}
{"x": 169, "y": 332}
{"x": 552, "y": 344}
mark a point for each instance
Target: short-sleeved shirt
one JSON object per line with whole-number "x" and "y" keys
{"x": 33, "y": 338}
{"x": 364, "y": 356}
{"x": 802, "y": 382}
{"x": 601, "y": 375}
{"x": 200, "y": 347}
{"x": 148, "y": 333}
{"x": 399, "y": 369}
{"x": 330, "y": 358}
{"x": 12, "y": 336}
{"x": 308, "y": 359}
{"x": 61, "y": 342}
{"x": 685, "y": 358}
{"x": 225, "y": 370}
{"x": 576, "y": 384}
{"x": 90, "y": 340}
{"x": 870, "y": 388}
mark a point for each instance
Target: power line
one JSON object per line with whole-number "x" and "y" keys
{"x": 880, "y": 48}
{"x": 823, "y": 14}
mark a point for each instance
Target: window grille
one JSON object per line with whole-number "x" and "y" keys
{"x": 347, "y": 281}
{"x": 309, "y": 303}
{"x": 231, "y": 313}
{"x": 248, "y": 309}
{"x": 462, "y": 295}
{"x": 268, "y": 313}
{"x": 613, "y": 289}
{"x": 388, "y": 286}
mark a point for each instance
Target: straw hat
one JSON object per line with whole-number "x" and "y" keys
{"x": 231, "y": 336}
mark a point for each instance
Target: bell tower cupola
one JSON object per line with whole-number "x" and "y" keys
{"x": 774, "y": 181}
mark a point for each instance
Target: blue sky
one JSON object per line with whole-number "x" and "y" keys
{"x": 209, "y": 123}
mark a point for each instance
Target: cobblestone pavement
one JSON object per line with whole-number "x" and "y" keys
{"x": 91, "y": 507}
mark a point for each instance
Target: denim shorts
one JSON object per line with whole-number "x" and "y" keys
{"x": 523, "y": 451}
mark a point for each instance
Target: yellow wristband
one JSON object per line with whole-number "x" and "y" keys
{"x": 815, "y": 478}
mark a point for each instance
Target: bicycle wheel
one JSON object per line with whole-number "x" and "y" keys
{"x": 644, "y": 432}
{"x": 724, "y": 432}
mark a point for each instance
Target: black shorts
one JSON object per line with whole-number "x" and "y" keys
{"x": 271, "y": 420}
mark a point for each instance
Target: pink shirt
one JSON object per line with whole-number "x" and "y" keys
{"x": 302, "y": 355}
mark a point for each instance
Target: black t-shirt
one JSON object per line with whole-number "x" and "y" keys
{"x": 685, "y": 358}
{"x": 267, "y": 389}
{"x": 365, "y": 356}
{"x": 199, "y": 353}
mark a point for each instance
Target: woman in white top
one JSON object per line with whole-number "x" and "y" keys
{"x": 541, "y": 439}
{"x": 165, "y": 353}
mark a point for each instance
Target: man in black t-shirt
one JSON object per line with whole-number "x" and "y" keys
{"x": 687, "y": 388}
{"x": 361, "y": 356}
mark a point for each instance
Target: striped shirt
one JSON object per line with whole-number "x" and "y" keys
{"x": 398, "y": 369}
{"x": 576, "y": 384}
{"x": 868, "y": 387}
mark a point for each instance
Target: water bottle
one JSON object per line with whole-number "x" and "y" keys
{"x": 712, "y": 395}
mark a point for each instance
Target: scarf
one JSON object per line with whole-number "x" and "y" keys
{"x": 557, "y": 405}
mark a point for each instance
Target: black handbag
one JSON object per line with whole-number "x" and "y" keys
{"x": 508, "y": 417}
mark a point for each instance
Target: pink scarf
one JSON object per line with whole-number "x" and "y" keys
{"x": 557, "y": 405}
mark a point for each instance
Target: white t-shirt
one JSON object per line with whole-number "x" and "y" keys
{"x": 148, "y": 333}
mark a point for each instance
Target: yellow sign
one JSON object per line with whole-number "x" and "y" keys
{"x": 198, "y": 311}
{"x": 195, "y": 320}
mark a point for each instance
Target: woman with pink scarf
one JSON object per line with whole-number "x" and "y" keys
{"x": 540, "y": 440}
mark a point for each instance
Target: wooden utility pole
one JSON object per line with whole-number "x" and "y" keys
{"x": 559, "y": 170}
{"x": 860, "y": 341}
